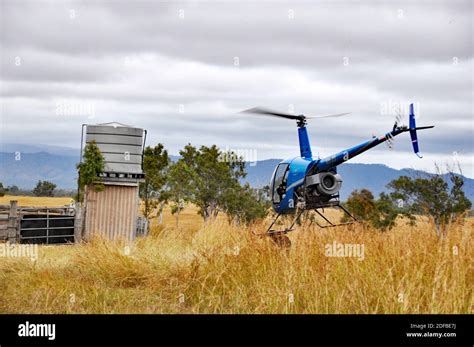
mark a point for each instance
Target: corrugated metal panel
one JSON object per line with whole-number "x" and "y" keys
{"x": 124, "y": 159}
{"x": 113, "y": 129}
{"x": 112, "y": 138}
{"x": 112, "y": 213}
{"x": 121, "y": 147}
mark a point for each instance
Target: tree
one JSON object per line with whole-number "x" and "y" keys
{"x": 44, "y": 188}
{"x": 381, "y": 213}
{"x": 386, "y": 213}
{"x": 264, "y": 195}
{"x": 181, "y": 179}
{"x": 242, "y": 206}
{"x": 13, "y": 190}
{"x": 92, "y": 165}
{"x": 361, "y": 204}
{"x": 2, "y": 190}
{"x": 211, "y": 178}
{"x": 153, "y": 190}
{"x": 432, "y": 196}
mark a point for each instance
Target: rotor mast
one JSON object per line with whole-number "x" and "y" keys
{"x": 305, "y": 146}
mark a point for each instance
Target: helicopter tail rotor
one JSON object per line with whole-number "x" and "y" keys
{"x": 413, "y": 128}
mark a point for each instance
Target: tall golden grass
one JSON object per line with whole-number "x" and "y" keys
{"x": 222, "y": 268}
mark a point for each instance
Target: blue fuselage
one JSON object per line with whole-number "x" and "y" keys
{"x": 297, "y": 168}
{"x": 290, "y": 174}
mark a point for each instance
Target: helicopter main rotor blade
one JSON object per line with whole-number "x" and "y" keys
{"x": 267, "y": 112}
{"x": 329, "y": 115}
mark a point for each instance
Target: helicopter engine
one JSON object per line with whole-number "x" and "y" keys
{"x": 323, "y": 186}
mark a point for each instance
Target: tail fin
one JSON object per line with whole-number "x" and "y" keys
{"x": 414, "y": 138}
{"x": 413, "y": 129}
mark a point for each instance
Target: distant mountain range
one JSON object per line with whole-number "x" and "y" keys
{"x": 374, "y": 177}
{"x": 58, "y": 165}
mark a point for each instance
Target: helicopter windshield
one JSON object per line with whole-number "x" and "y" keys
{"x": 279, "y": 183}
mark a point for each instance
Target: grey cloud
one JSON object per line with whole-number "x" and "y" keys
{"x": 262, "y": 33}
{"x": 137, "y": 63}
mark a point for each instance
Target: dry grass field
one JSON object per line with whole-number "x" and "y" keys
{"x": 36, "y": 201}
{"x": 221, "y": 268}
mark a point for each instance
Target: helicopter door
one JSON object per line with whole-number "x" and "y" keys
{"x": 279, "y": 183}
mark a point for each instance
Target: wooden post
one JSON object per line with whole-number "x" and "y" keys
{"x": 13, "y": 227}
{"x": 85, "y": 215}
{"x": 78, "y": 223}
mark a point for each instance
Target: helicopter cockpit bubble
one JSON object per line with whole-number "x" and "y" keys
{"x": 279, "y": 182}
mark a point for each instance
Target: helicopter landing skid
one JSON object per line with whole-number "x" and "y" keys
{"x": 279, "y": 236}
{"x": 331, "y": 224}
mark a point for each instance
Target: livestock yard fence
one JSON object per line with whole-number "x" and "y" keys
{"x": 45, "y": 225}
{"x": 50, "y": 225}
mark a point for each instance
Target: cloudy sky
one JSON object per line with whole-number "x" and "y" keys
{"x": 183, "y": 70}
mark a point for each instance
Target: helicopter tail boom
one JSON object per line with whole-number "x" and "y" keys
{"x": 343, "y": 156}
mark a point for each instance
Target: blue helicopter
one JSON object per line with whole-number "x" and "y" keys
{"x": 304, "y": 183}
